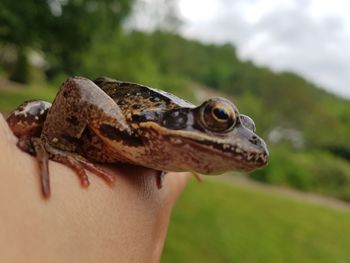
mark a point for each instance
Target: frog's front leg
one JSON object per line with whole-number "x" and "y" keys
{"x": 79, "y": 104}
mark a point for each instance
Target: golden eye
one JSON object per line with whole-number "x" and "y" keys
{"x": 218, "y": 115}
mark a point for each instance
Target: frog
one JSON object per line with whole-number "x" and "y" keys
{"x": 110, "y": 121}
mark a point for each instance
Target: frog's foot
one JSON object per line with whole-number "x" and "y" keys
{"x": 198, "y": 177}
{"x": 43, "y": 159}
{"x": 159, "y": 178}
{"x": 79, "y": 164}
{"x": 44, "y": 152}
{"x": 34, "y": 146}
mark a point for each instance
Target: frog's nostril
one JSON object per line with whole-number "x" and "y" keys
{"x": 254, "y": 140}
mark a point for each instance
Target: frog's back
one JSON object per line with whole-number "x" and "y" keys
{"x": 134, "y": 98}
{"x": 138, "y": 104}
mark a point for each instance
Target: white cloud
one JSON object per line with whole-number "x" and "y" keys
{"x": 206, "y": 11}
{"x": 310, "y": 37}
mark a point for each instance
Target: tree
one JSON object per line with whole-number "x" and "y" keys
{"x": 63, "y": 30}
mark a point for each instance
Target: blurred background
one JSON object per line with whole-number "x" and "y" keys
{"x": 284, "y": 63}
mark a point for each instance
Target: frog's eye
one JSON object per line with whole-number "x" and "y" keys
{"x": 218, "y": 115}
{"x": 247, "y": 122}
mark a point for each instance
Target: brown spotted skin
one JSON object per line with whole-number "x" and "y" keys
{"x": 28, "y": 118}
{"x": 168, "y": 134}
{"x": 80, "y": 104}
{"x": 109, "y": 121}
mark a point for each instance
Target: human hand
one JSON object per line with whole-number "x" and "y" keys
{"x": 124, "y": 223}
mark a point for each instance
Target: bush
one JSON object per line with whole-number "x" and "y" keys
{"x": 317, "y": 171}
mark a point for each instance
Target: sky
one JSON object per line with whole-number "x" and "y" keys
{"x": 309, "y": 37}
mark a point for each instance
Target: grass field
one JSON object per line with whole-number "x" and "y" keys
{"x": 10, "y": 98}
{"x": 218, "y": 222}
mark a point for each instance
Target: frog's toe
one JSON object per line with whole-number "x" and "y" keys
{"x": 77, "y": 168}
{"x": 108, "y": 178}
{"x": 35, "y": 146}
{"x": 79, "y": 164}
{"x": 43, "y": 159}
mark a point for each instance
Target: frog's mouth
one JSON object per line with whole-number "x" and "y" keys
{"x": 242, "y": 159}
{"x": 243, "y": 150}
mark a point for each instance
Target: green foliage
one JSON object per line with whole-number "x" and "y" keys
{"x": 317, "y": 171}
{"x": 122, "y": 58}
{"x": 131, "y": 60}
{"x": 216, "y": 222}
{"x": 17, "y": 17}
{"x": 78, "y": 25}
{"x": 20, "y": 73}
{"x": 63, "y": 30}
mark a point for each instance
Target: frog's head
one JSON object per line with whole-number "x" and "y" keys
{"x": 232, "y": 133}
{"x": 212, "y": 138}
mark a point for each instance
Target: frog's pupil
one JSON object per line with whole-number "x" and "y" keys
{"x": 220, "y": 114}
